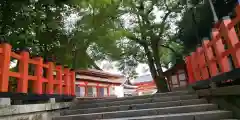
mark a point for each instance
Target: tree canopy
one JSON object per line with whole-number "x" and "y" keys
{"x": 43, "y": 26}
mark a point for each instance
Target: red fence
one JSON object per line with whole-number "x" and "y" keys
{"x": 216, "y": 55}
{"x": 58, "y": 80}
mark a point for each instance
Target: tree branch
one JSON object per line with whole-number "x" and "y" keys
{"x": 96, "y": 66}
{"x": 169, "y": 11}
{"x": 93, "y": 62}
{"x": 141, "y": 42}
{"x": 151, "y": 7}
{"x": 144, "y": 12}
{"x": 173, "y": 39}
{"x": 141, "y": 12}
{"x": 168, "y": 47}
{"x": 162, "y": 24}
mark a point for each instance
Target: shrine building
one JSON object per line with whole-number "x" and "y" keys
{"x": 96, "y": 83}
{"x": 145, "y": 84}
{"x": 176, "y": 76}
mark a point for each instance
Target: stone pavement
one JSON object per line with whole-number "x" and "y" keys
{"x": 179, "y": 105}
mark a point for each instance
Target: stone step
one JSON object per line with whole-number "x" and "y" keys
{"x": 142, "y": 112}
{"x": 135, "y": 106}
{"x": 135, "y": 101}
{"x": 207, "y": 115}
{"x": 179, "y": 89}
{"x": 137, "y": 97}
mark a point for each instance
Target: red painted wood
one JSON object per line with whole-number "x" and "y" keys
{"x": 86, "y": 90}
{"x": 210, "y": 58}
{"x": 73, "y": 78}
{"x": 190, "y": 73}
{"x": 38, "y": 72}
{"x": 232, "y": 39}
{"x": 219, "y": 49}
{"x": 59, "y": 78}
{"x": 66, "y": 81}
{"x": 195, "y": 66}
{"x": 50, "y": 81}
{"x": 22, "y": 86}
{"x": 5, "y": 63}
{"x": 202, "y": 64}
{"x": 108, "y": 91}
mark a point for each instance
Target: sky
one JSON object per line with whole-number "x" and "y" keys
{"x": 110, "y": 67}
{"x": 142, "y": 69}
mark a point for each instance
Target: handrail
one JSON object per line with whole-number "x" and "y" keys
{"x": 212, "y": 58}
{"x": 64, "y": 77}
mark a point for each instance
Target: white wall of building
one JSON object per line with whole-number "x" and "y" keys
{"x": 119, "y": 92}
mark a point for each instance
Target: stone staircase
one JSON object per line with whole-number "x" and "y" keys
{"x": 179, "y": 105}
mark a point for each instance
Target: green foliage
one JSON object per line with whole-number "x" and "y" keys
{"x": 142, "y": 27}
{"x": 42, "y": 26}
{"x": 170, "y": 56}
{"x": 148, "y": 26}
{"x": 195, "y": 24}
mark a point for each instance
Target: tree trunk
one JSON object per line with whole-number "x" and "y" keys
{"x": 88, "y": 60}
{"x": 92, "y": 62}
{"x": 159, "y": 80}
{"x": 74, "y": 60}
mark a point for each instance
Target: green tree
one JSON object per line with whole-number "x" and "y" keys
{"x": 41, "y": 26}
{"x": 147, "y": 38}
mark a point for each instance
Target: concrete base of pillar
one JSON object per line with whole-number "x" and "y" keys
{"x": 5, "y": 101}
{"x": 213, "y": 85}
{"x": 52, "y": 100}
{"x": 17, "y": 102}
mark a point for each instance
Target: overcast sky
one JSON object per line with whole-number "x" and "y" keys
{"x": 110, "y": 67}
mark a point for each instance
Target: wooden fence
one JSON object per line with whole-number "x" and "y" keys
{"x": 218, "y": 55}
{"x": 47, "y": 78}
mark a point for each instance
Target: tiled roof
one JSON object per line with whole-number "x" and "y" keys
{"x": 98, "y": 73}
{"x": 143, "y": 78}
